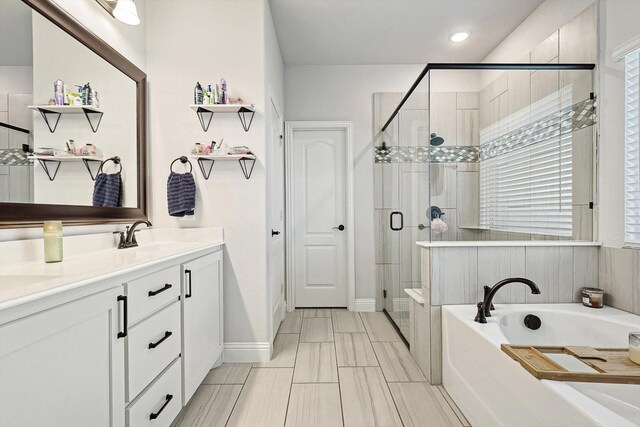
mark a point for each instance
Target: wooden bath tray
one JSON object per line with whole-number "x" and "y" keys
{"x": 612, "y": 364}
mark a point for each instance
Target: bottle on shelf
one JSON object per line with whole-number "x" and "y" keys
{"x": 198, "y": 95}
{"x": 87, "y": 94}
{"x": 223, "y": 94}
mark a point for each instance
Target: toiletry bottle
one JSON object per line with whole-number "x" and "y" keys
{"x": 197, "y": 94}
{"x": 223, "y": 87}
{"x": 94, "y": 99}
{"x": 87, "y": 94}
{"x": 58, "y": 92}
{"x": 218, "y": 94}
{"x": 52, "y": 241}
{"x": 210, "y": 95}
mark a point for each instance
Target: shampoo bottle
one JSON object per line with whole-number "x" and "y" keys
{"x": 87, "y": 94}
{"x": 58, "y": 92}
{"x": 223, "y": 87}
{"x": 197, "y": 94}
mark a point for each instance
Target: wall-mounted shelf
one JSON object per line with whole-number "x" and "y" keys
{"x": 51, "y": 114}
{"x": 205, "y": 113}
{"x": 48, "y": 163}
{"x": 206, "y": 161}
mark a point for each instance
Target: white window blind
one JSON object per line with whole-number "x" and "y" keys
{"x": 632, "y": 148}
{"x": 530, "y": 189}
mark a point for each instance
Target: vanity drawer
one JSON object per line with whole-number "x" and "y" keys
{"x": 152, "y": 345}
{"x": 159, "y": 405}
{"x": 149, "y": 293}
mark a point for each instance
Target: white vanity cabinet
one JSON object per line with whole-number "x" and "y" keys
{"x": 65, "y": 366}
{"x": 201, "y": 319}
{"x": 127, "y": 348}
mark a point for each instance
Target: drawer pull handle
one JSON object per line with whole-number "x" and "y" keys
{"x": 125, "y": 319}
{"x": 157, "y": 343}
{"x": 162, "y": 289}
{"x": 188, "y": 294}
{"x": 155, "y": 415}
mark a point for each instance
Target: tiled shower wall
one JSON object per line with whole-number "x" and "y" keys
{"x": 620, "y": 278}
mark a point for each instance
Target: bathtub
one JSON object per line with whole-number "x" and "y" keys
{"x": 491, "y": 389}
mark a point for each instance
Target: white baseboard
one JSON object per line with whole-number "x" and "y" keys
{"x": 365, "y": 304}
{"x": 247, "y": 352}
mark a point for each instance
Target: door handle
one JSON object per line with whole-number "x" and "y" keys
{"x": 339, "y": 228}
{"x": 274, "y": 233}
{"x": 401, "y": 221}
{"x": 188, "y": 293}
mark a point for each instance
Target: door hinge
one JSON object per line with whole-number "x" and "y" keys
{"x": 384, "y": 293}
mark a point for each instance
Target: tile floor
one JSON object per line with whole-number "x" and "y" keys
{"x": 329, "y": 368}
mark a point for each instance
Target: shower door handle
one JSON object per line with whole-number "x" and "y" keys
{"x": 401, "y": 221}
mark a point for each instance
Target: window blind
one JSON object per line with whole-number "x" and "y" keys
{"x": 632, "y": 148}
{"x": 530, "y": 189}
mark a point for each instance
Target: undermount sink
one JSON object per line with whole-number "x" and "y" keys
{"x": 25, "y": 279}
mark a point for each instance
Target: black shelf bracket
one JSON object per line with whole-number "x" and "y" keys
{"x": 246, "y": 170}
{"x": 45, "y": 167}
{"x": 206, "y": 172}
{"x": 205, "y": 117}
{"x": 97, "y": 118}
{"x": 91, "y": 173}
{"x": 54, "y": 116}
{"x": 243, "y": 114}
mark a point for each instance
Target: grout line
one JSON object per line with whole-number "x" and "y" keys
{"x": 238, "y": 397}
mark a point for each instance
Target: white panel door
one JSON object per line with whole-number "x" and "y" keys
{"x": 276, "y": 217}
{"x": 320, "y": 240}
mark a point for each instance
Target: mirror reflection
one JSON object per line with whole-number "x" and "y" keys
{"x": 67, "y": 118}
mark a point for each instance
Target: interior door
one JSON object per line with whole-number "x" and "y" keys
{"x": 277, "y": 249}
{"x": 319, "y": 197}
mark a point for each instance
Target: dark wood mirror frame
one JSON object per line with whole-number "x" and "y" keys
{"x": 13, "y": 215}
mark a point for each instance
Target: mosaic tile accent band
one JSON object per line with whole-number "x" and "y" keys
{"x": 394, "y": 154}
{"x": 569, "y": 119}
{"x": 13, "y": 157}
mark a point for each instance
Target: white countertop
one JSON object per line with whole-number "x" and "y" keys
{"x": 503, "y": 243}
{"x": 28, "y": 280}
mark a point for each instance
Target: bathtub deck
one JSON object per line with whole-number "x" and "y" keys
{"x": 329, "y": 368}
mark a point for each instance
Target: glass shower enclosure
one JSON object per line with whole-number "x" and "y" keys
{"x": 479, "y": 152}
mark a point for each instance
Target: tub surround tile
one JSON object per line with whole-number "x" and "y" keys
{"x": 451, "y": 266}
{"x": 616, "y": 278}
{"x": 366, "y": 400}
{"x": 314, "y": 405}
{"x": 495, "y": 264}
{"x": 418, "y": 402}
{"x": 354, "y": 349}
{"x": 552, "y": 270}
{"x": 585, "y": 270}
{"x": 396, "y": 362}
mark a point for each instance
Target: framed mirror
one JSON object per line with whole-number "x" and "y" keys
{"x": 72, "y": 122}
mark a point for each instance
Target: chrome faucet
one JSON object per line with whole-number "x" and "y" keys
{"x": 128, "y": 237}
{"x": 484, "y": 307}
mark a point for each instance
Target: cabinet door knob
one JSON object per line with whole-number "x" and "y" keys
{"x": 274, "y": 233}
{"x": 339, "y": 227}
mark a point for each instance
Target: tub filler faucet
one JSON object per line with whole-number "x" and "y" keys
{"x": 484, "y": 307}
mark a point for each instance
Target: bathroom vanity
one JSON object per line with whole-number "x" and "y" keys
{"x": 109, "y": 337}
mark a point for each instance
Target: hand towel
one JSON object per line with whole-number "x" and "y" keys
{"x": 181, "y": 194}
{"x": 107, "y": 190}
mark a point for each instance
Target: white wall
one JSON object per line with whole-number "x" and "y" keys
{"x": 235, "y": 50}
{"x": 16, "y": 79}
{"x": 618, "y": 20}
{"x": 345, "y": 93}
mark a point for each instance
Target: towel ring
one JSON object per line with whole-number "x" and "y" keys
{"x": 183, "y": 159}
{"x": 115, "y": 160}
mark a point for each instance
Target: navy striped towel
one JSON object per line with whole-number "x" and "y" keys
{"x": 181, "y": 194}
{"x": 107, "y": 191}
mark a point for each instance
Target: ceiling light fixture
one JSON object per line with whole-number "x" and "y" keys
{"x": 126, "y": 11}
{"x": 458, "y": 37}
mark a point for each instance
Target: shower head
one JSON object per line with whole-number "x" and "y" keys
{"x": 436, "y": 140}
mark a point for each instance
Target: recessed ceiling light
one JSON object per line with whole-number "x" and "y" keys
{"x": 459, "y": 36}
